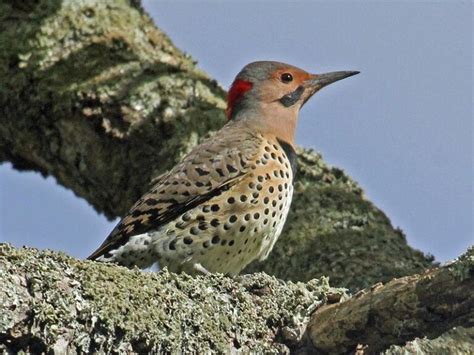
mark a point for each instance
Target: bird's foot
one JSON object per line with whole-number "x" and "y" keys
{"x": 198, "y": 267}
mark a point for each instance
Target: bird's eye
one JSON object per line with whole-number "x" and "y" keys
{"x": 286, "y": 77}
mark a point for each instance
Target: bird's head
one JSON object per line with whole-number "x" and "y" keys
{"x": 270, "y": 95}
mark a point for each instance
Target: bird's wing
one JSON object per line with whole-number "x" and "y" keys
{"x": 211, "y": 168}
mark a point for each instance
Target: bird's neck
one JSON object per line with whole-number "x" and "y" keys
{"x": 280, "y": 121}
{"x": 281, "y": 128}
{"x": 271, "y": 121}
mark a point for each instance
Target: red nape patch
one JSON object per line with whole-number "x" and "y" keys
{"x": 237, "y": 90}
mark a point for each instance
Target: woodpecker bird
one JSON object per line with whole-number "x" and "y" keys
{"x": 225, "y": 204}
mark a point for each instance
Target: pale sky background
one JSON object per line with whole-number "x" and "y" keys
{"x": 402, "y": 128}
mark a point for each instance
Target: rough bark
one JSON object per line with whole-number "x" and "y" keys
{"x": 95, "y": 95}
{"x": 429, "y": 304}
{"x": 458, "y": 340}
{"x": 50, "y": 302}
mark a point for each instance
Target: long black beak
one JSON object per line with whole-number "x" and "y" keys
{"x": 321, "y": 80}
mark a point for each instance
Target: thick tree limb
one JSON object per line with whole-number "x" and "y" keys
{"x": 414, "y": 306}
{"x": 94, "y": 94}
{"x": 51, "y": 302}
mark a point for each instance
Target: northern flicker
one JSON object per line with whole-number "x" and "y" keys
{"x": 225, "y": 204}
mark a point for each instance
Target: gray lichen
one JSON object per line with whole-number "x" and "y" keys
{"x": 421, "y": 305}
{"x": 52, "y": 301}
{"x": 92, "y": 91}
{"x": 463, "y": 267}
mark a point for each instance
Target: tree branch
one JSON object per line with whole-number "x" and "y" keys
{"x": 95, "y": 95}
{"x": 52, "y": 302}
{"x": 414, "y": 306}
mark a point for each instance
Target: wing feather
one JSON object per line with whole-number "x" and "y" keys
{"x": 210, "y": 169}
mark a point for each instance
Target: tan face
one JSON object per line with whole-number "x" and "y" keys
{"x": 284, "y": 81}
{"x": 281, "y": 97}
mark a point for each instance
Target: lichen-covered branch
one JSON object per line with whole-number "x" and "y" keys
{"x": 92, "y": 93}
{"x": 52, "y": 302}
{"x": 414, "y": 306}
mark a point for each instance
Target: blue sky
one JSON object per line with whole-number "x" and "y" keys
{"x": 402, "y": 128}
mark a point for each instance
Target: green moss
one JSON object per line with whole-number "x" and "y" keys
{"x": 464, "y": 268}
{"x": 111, "y": 309}
{"x": 91, "y": 91}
